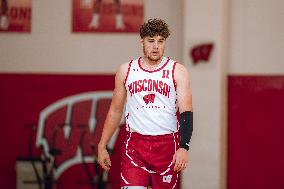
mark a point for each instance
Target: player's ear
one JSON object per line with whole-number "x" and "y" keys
{"x": 141, "y": 42}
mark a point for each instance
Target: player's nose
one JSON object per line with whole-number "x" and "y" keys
{"x": 155, "y": 45}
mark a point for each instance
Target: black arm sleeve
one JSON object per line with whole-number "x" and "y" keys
{"x": 186, "y": 128}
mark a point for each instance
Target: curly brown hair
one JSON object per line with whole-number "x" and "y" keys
{"x": 155, "y": 27}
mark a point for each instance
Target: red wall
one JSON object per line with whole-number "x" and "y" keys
{"x": 256, "y": 132}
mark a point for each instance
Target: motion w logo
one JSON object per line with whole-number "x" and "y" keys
{"x": 149, "y": 98}
{"x": 69, "y": 129}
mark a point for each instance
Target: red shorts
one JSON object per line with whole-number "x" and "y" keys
{"x": 147, "y": 160}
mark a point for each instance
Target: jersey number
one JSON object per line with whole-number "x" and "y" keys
{"x": 166, "y": 74}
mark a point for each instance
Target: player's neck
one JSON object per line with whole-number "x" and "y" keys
{"x": 151, "y": 63}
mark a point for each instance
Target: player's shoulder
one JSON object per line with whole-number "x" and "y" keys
{"x": 178, "y": 65}
{"x": 126, "y": 65}
{"x": 123, "y": 68}
{"x": 173, "y": 62}
{"x": 180, "y": 70}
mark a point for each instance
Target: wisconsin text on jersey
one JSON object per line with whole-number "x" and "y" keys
{"x": 149, "y": 85}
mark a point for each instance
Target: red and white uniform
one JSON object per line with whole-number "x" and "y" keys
{"x": 151, "y": 98}
{"x": 151, "y": 120}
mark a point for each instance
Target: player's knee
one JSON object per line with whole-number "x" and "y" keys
{"x": 133, "y": 187}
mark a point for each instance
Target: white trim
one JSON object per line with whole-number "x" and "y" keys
{"x": 125, "y": 181}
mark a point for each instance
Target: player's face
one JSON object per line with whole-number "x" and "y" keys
{"x": 153, "y": 47}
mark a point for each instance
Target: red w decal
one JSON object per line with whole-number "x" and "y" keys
{"x": 149, "y": 98}
{"x": 201, "y": 52}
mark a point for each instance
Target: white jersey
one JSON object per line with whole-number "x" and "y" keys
{"x": 151, "y": 104}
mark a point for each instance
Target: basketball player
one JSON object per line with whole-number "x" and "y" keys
{"x": 154, "y": 87}
{"x": 118, "y": 17}
{"x": 4, "y": 15}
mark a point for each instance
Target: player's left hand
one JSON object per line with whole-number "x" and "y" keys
{"x": 180, "y": 159}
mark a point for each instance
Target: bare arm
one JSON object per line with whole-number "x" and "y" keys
{"x": 113, "y": 117}
{"x": 184, "y": 100}
{"x": 184, "y": 97}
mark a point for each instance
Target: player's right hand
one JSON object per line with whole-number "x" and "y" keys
{"x": 104, "y": 159}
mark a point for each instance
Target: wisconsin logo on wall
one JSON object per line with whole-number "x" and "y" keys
{"x": 70, "y": 129}
{"x": 201, "y": 52}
